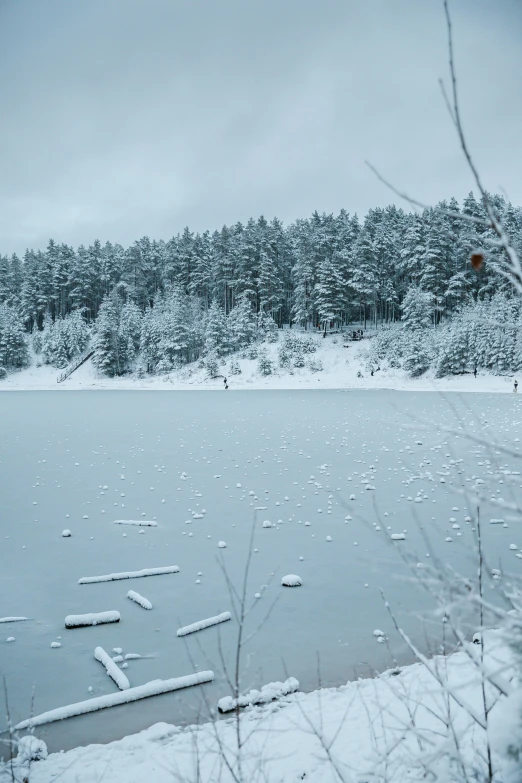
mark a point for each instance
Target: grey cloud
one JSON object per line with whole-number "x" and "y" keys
{"x": 124, "y": 117}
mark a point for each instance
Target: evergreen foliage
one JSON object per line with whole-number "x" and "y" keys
{"x": 201, "y": 293}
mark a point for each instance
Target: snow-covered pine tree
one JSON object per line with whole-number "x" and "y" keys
{"x": 417, "y": 308}
{"x": 436, "y": 263}
{"x": 106, "y": 342}
{"x": 129, "y": 333}
{"x": 242, "y": 326}
{"x": 216, "y": 330}
{"x": 264, "y": 363}
{"x": 365, "y": 274}
{"x": 14, "y": 352}
{"x": 235, "y": 367}
{"x": 453, "y": 350}
{"x": 267, "y": 327}
{"x": 303, "y": 274}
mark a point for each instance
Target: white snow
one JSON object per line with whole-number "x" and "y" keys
{"x": 153, "y": 688}
{"x": 86, "y": 580}
{"x": 199, "y": 626}
{"x": 66, "y": 533}
{"x": 31, "y": 749}
{"x": 139, "y": 599}
{"x": 12, "y": 619}
{"x": 291, "y": 580}
{"x": 398, "y": 537}
{"x": 268, "y": 693}
{"x": 112, "y": 670}
{"x": 91, "y": 618}
{"x": 341, "y": 366}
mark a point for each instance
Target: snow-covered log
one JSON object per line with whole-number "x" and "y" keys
{"x": 268, "y": 693}
{"x": 12, "y": 619}
{"x": 137, "y": 522}
{"x": 139, "y": 599}
{"x": 87, "y": 580}
{"x": 91, "y": 618}
{"x": 153, "y": 688}
{"x": 219, "y": 618}
{"x": 112, "y": 669}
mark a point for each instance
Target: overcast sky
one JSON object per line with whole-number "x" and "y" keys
{"x": 121, "y": 118}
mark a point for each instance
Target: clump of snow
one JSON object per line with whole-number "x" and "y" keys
{"x": 222, "y": 544}
{"x": 55, "y": 645}
{"x": 66, "y": 533}
{"x": 268, "y": 693}
{"x": 398, "y": 537}
{"x": 12, "y": 619}
{"x": 31, "y": 749}
{"x": 291, "y": 580}
{"x": 267, "y": 523}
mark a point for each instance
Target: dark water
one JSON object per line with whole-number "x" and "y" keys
{"x": 298, "y": 452}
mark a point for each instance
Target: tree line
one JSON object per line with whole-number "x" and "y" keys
{"x": 172, "y": 301}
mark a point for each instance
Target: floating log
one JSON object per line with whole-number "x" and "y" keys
{"x": 88, "y": 580}
{"x": 153, "y": 688}
{"x": 92, "y": 618}
{"x": 219, "y": 618}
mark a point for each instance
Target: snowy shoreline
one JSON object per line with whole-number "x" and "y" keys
{"x": 343, "y": 370}
{"x": 283, "y": 737}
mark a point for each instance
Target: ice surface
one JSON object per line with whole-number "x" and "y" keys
{"x": 337, "y": 615}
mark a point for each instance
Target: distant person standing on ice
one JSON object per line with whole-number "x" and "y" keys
{"x": 515, "y": 386}
{"x": 475, "y": 372}
{"x": 225, "y": 382}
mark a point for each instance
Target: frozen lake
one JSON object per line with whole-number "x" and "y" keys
{"x": 200, "y": 463}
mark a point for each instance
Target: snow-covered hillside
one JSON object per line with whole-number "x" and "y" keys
{"x": 343, "y": 363}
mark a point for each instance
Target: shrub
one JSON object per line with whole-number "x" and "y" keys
{"x": 315, "y": 365}
{"x": 212, "y": 364}
{"x": 264, "y": 364}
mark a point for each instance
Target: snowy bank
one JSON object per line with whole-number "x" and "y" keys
{"x": 342, "y": 368}
{"x": 286, "y": 740}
